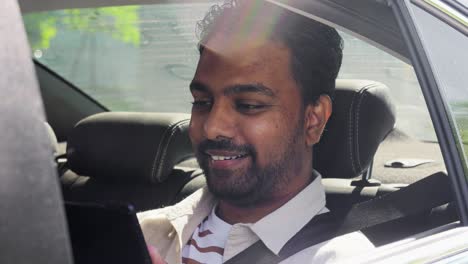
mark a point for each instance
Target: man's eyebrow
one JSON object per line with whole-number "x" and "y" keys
{"x": 198, "y": 86}
{"x": 249, "y": 88}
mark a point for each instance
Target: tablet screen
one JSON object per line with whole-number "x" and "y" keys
{"x": 105, "y": 234}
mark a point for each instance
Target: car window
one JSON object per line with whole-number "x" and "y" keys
{"x": 449, "y": 61}
{"x": 126, "y": 57}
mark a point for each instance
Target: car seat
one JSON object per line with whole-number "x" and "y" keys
{"x": 128, "y": 158}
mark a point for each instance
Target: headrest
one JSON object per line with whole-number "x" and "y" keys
{"x": 134, "y": 147}
{"x": 362, "y": 117}
{"x": 52, "y": 138}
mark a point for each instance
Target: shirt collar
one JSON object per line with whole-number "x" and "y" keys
{"x": 292, "y": 216}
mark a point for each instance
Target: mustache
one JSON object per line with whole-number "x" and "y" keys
{"x": 226, "y": 145}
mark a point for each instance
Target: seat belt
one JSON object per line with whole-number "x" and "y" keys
{"x": 419, "y": 197}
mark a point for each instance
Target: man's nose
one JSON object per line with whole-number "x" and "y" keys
{"x": 220, "y": 122}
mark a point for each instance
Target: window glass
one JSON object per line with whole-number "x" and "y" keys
{"x": 446, "y": 48}
{"x": 126, "y": 57}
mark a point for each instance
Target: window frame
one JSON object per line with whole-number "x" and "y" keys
{"x": 441, "y": 15}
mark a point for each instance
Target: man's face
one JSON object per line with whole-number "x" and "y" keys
{"x": 247, "y": 124}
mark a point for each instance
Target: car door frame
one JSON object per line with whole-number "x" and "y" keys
{"x": 437, "y": 105}
{"x": 448, "y": 243}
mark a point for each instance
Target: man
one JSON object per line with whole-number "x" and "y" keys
{"x": 261, "y": 93}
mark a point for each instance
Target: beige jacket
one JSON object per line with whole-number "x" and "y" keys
{"x": 168, "y": 229}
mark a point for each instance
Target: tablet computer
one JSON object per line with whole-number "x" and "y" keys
{"x": 105, "y": 233}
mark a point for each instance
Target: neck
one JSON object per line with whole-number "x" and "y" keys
{"x": 233, "y": 214}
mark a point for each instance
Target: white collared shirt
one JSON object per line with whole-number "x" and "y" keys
{"x": 278, "y": 227}
{"x": 274, "y": 230}
{"x": 208, "y": 241}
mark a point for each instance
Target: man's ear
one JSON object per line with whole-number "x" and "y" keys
{"x": 316, "y": 117}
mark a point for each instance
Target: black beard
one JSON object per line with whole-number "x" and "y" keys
{"x": 253, "y": 188}
{"x": 256, "y": 184}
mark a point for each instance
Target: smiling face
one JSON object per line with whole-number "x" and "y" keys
{"x": 248, "y": 124}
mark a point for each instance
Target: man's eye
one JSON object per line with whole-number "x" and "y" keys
{"x": 250, "y": 107}
{"x": 201, "y": 104}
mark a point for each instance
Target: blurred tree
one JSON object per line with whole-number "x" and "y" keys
{"x": 40, "y": 28}
{"x": 120, "y": 22}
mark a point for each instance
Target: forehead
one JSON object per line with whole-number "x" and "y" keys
{"x": 232, "y": 60}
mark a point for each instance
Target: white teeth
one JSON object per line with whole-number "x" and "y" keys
{"x": 226, "y": 157}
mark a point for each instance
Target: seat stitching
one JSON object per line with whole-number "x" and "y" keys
{"x": 350, "y": 138}
{"x": 358, "y": 159}
{"x": 169, "y": 130}
{"x": 364, "y": 91}
{"x": 159, "y": 148}
{"x": 171, "y": 136}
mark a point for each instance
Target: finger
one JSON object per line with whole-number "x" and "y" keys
{"x": 155, "y": 256}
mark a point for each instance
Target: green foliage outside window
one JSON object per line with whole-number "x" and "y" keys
{"x": 119, "y": 22}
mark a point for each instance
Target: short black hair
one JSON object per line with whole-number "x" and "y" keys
{"x": 316, "y": 49}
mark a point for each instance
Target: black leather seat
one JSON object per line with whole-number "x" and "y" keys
{"x": 363, "y": 115}
{"x": 128, "y": 158}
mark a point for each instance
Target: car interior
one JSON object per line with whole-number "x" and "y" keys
{"x": 157, "y": 167}
{"x": 145, "y": 158}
